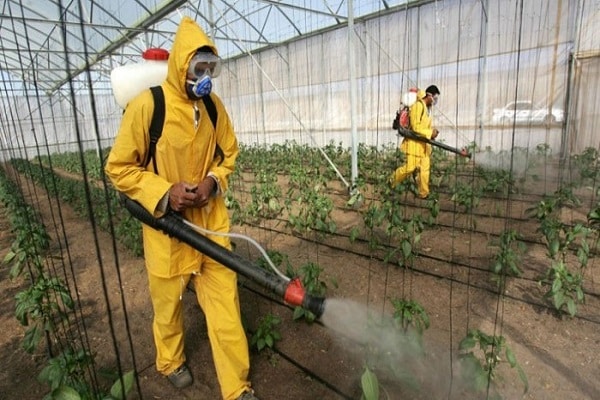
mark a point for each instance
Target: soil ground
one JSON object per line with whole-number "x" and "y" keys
{"x": 323, "y": 360}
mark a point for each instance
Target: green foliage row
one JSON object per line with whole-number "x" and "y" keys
{"x": 564, "y": 279}
{"x": 89, "y": 201}
{"x": 45, "y": 305}
{"x": 374, "y": 164}
{"x": 90, "y": 162}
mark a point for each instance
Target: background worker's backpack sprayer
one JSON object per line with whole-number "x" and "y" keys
{"x": 127, "y": 81}
{"x": 402, "y": 119}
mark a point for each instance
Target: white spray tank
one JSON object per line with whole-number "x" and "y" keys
{"x": 127, "y": 81}
{"x": 409, "y": 98}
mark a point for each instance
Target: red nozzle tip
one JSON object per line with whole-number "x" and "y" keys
{"x": 294, "y": 294}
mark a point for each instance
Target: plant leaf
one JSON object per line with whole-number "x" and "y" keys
{"x": 116, "y": 391}
{"x": 510, "y": 357}
{"x": 65, "y": 393}
{"x": 370, "y": 385}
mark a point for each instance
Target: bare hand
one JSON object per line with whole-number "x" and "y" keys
{"x": 182, "y": 195}
{"x": 204, "y": 191}
{"x": 434, "y": 134}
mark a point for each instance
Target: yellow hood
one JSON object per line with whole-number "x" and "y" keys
{"x": 188, "y": 39}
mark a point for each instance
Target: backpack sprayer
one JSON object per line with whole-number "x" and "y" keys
{"x": 129, "y": 80}
{"x": 402, "y": 125}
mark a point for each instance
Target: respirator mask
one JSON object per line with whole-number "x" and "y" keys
{"x": 203, "y": 67}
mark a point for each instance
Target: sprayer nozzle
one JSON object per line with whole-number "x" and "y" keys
{"x": 315, "y": 305}
{"x": 296, "y": 295}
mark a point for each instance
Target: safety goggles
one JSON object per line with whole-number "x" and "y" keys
{"x": 203, "y": 63}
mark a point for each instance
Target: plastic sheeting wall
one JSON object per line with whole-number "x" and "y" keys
{"x": 57, "y": 124}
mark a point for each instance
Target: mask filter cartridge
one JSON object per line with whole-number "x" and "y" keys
{"x": 201, "y": 87}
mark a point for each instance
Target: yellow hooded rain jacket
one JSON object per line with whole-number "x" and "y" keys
{"x": 182, "y": 154}
{"x": 420, "y": 123}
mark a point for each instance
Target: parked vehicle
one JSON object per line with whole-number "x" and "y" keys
{"x": 525, "y": 112}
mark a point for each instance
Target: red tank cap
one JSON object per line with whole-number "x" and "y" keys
{"x": 155, "y": 53}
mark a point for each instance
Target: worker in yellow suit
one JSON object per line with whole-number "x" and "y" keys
{"x": 418, "y": 154}
{"x": 191, "y": 180}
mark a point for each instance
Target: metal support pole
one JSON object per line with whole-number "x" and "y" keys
{"x": 353, "y": 90}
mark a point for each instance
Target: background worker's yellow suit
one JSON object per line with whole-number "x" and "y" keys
{"x": 418, "y": 154}
{"x": 184, "y": 153}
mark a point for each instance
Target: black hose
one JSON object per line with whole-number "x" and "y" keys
{"x": 173, "y": 225}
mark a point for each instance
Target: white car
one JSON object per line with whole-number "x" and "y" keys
{"x": 524, "y": 112}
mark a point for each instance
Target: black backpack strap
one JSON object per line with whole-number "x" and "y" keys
{"x": 156, "y": 125}
{"x": 212, "y": 113}
{"x": 158, "y": 120}
{"x": 211, "y": 108}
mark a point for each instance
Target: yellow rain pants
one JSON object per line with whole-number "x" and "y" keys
{"x": 413, "y": 162}
{"x": 216, "y": 291}
{"x": 418, "y": 154}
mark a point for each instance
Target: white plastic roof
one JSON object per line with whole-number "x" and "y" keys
{"x": 45, "y": 44}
